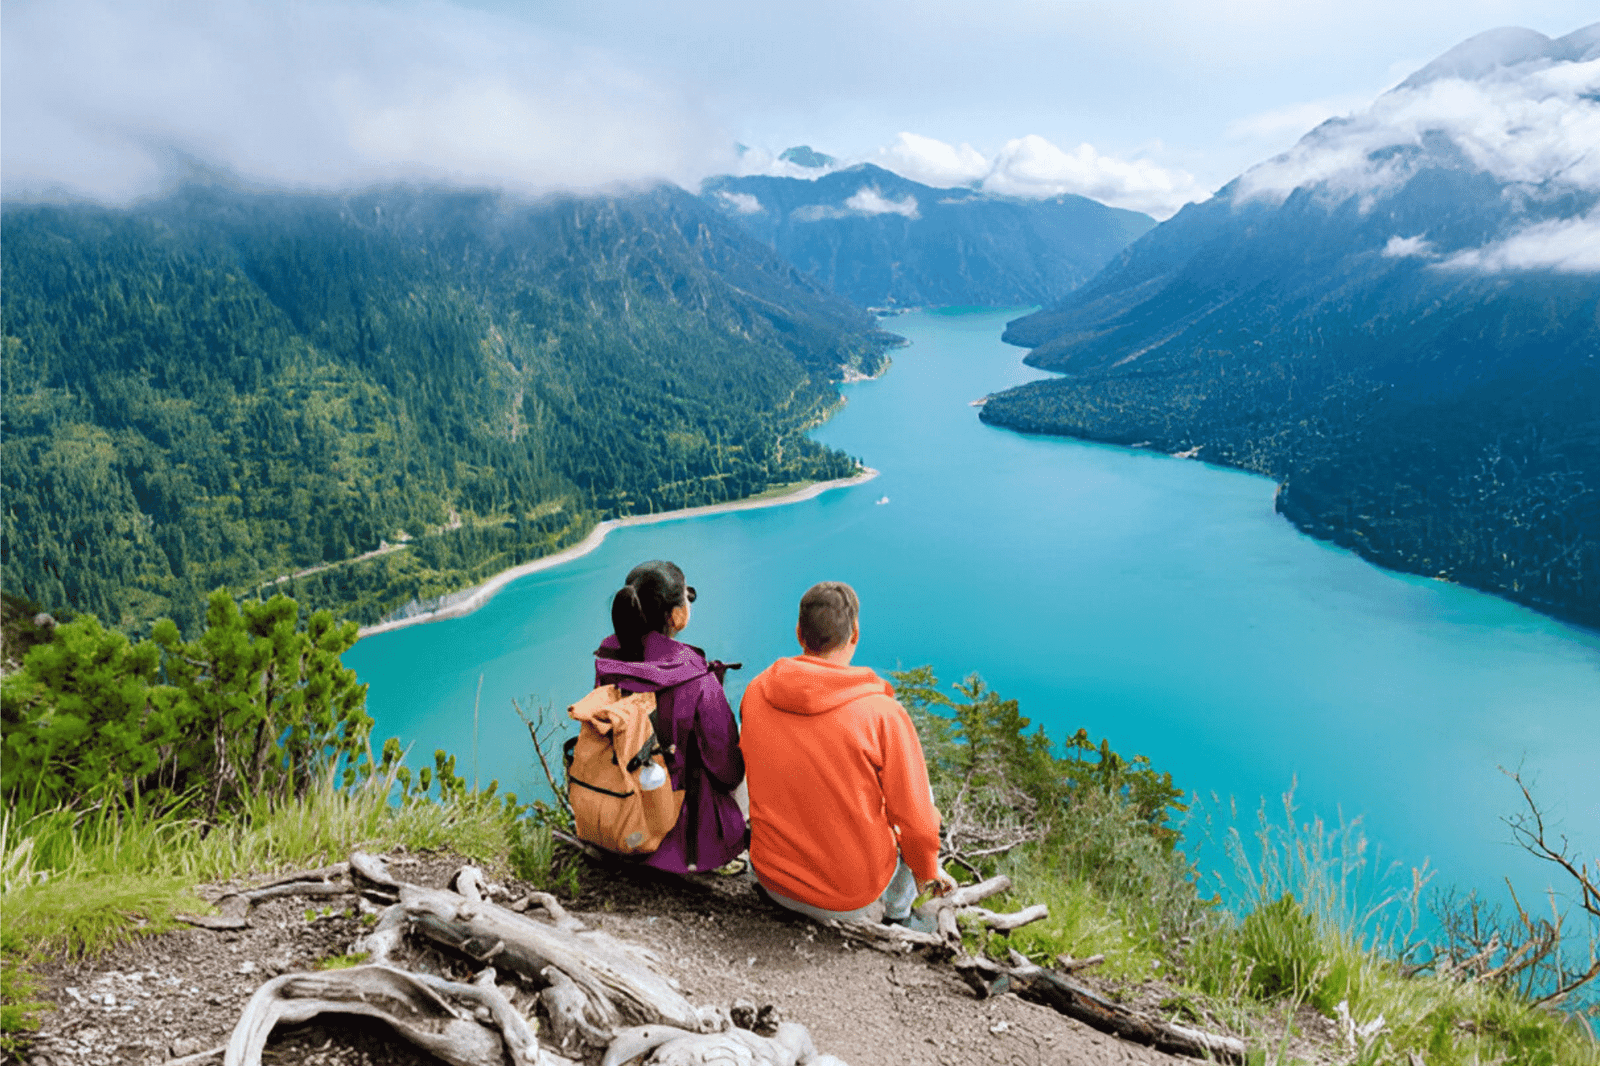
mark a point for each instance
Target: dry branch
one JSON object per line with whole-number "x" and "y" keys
{"x": 1053, "y": 990}
{"x": 315, "y": 889}
{"x": 967, "y": 895}
{"x": 894, "y": 939}
{"x": 549, "y": 736}
{"x": 322, "y": 873}
{"x": 1068, "y": 964}
{"x": 1005, "y": 923}
{"x": 414, "y": 1010}
{"x": 551, "y": 906}
{"x": 618, "y": 984}
{"x": 582, "y": 845}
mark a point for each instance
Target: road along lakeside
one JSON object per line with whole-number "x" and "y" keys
{"x": 470, "y": 599}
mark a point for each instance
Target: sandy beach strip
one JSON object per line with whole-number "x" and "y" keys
{"x": 477, "y": 597}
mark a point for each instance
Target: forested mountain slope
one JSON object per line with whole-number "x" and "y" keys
{"x": 887, "y": 241}
{"x": 222, "y": 387}
{"x": 1399, "y": 319}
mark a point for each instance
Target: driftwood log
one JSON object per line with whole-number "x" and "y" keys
{"x": 1038, "y": 985}
{"x": 417, "y": 1007}
{"x": 598, "y": 994}
{"x": 667, "y": 1046}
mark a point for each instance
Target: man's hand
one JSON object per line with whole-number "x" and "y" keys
{"x": 942, "y": 884}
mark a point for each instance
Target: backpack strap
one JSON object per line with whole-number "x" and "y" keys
{"x": 652, "y": 744}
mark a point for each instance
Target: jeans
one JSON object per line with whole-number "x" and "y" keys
{"x": 895, "y": 903}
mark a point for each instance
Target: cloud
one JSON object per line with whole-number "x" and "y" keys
{"x": 1407, "y": 247}
{"x": 869, "y": 201}
{"x": 817, "y": 213}
{"x": 742, "y": 202}
{"x": 1031, "y": 166}
{"x": 932, "y": 162}
{"x": 1565, "y": 246}
{"x": 1028, "y": 167}
{"x": 866, "y": 200}
{"x": 1535, "y": 124}
{"x": 102, "y": 98}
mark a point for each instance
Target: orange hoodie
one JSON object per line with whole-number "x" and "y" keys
{"x": 833, "y": 762}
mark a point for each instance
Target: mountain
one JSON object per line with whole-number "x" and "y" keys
{"x": 224, "y": 387}
{"x": 1399, "y": 319}
{"x": 885, "y": 241}
{"x": 803, "y": 155}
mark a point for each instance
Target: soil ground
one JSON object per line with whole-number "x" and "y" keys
{"x": 180, "y": 993}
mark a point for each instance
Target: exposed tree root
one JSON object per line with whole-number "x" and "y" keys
{"x": 598, "y": 994}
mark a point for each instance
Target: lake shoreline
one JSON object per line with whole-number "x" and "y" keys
{"x": 476, "y": 596}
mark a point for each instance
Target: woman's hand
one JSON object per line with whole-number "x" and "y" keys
{"x": 942, "y": 884}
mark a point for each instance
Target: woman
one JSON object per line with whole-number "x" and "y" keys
{"x": 696, "y": 725}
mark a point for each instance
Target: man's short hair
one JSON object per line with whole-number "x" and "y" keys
{"x": 828, "y": 613}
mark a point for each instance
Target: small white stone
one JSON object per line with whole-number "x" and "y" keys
{"x": 109, "y": 1000}
{"x": 75, "y": 994}
{"x": 247, "y": 967}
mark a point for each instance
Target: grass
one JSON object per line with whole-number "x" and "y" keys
{"x": 1321, "y": 928}
{"x": 263, "y": 836}
{"x": 342, "y": 962}
{"x": 79, "y": 882}
{"x": 534, "y": 857}
{"x": 1081, "y": 923}
{"x": 19, "y": 1009}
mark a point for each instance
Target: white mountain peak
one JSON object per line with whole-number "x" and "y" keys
{"x": 1511, "y": 103}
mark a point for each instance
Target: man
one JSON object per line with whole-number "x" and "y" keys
{"x": 842, "y": 821}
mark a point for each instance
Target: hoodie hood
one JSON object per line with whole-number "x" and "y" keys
{"x": 808, "y": 685}
{"x": 666, "y": 663}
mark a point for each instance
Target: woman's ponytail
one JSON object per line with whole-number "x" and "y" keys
{"x": 645, "y": 604}
{"x": 628, "y": 623}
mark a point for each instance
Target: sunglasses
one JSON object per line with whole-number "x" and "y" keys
{"x": 689, "y": 591}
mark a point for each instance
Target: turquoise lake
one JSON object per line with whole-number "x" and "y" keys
{"x": 1155, "y": 601}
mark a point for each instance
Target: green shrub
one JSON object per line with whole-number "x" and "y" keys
{"x": 1084, "y": 829}
{"x": 257, "y": 705}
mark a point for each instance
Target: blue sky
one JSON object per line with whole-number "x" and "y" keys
{"x": 1144, "y": 102}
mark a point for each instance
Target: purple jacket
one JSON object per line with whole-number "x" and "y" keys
{"x": 702, "y": 741}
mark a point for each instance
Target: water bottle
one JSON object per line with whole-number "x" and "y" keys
{"x": 653, "y": 776}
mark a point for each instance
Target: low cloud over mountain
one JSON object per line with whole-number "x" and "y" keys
{"x": 112, "y": 100}
{"x": 1029, "y": 167}
{"x": 1511, "y": 105}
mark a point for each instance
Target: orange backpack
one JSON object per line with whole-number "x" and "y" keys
{"x": 616, "y": 744}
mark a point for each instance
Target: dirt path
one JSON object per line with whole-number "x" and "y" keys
{"x": 182, "y": 992}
